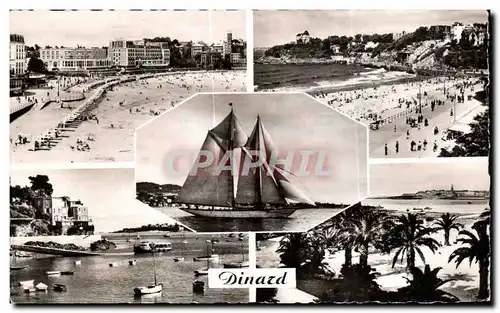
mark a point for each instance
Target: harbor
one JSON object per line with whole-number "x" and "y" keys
{"x": 112, "y": 276}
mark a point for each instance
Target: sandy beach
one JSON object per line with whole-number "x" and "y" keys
{"x": 395, "y": 103}
{"x": 123, "y": 108}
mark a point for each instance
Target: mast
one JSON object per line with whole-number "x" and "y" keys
{"x": 154, "y": 264}
{"x": 230, "y": 150}
{"x": 258, "y": 176}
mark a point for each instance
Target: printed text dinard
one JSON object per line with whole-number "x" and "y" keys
{"x": 232, "y": 278}
{"x": 299, "y": 163}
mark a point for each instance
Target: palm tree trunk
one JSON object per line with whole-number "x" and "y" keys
{"x": 483, "y": 280}
{"x": 348, "y": 254}
{"x": 363, "y": 256}
{"x": 410, "y": 259}
{"x": 446, "y": 237}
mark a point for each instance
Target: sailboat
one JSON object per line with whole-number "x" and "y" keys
{"x": 241, "y": 264}
{"x": 139, "y": 291}
{"x": 184, "y": 242}
{"x": 263, "y": 192}
{"x": 204, "y": 271}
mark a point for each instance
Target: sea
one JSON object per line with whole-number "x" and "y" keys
{"x": 300, "y": 220}
{"x": 321, "y": 77}
{"x": 94, "y": 281}
{"x": 459, "y": 207}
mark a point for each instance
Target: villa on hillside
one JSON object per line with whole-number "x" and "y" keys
{"x": 303, "y": 37}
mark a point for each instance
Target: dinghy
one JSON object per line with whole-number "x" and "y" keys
{"x": 41, "y": 287}
{"x": 67, "y": 272}
{"x": 53, "y": 273}
{"x": 132, "y": 262}
{"x": 198, "y": 286}
{"x": 60, "y": 288}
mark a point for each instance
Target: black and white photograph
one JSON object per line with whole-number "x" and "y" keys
{"x": 79, "y": 237}
{"x": 251, "y": 162}
{"x": 422, "y": 236}
{"x": 428, "y": 69}
{"x": 78, "y": 93}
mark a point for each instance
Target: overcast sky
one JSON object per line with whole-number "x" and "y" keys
{"x": 97, "y": 28}
{"x": 295, "y": 123}
{"x": 395, "y": 179}
{"x": 109, "y": 195}
{"x": 279, "y": 27}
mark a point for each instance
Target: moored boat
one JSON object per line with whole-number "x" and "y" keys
{"x": 67, "y": 272}
{"x": 198, "y": 286}
{"x": 41, "y": 287}
{"x": 18, "y": 268}
{"x": 60, "y": 288}
{"x": 236, "y": 265}
{"x": 150, "y": 247}
{"x": 151, "y": 289}
{"x": 206, "y": 257}
{"x": 53, "y": 273}
{"x": 200, "y": 272}
{"x": 132, "y": 262}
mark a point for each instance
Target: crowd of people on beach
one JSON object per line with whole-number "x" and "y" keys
{"x": 386, "y": 104}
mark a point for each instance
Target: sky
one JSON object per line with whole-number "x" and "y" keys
{"x": 98, "y": 28}
{"x": 280, "y": 27}
{"x": 109, "y": 195}
{"x": 295, "y": 123}
{"x": 395, "y": 179}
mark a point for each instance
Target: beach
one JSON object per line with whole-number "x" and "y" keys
{"x": 110, "y": 135}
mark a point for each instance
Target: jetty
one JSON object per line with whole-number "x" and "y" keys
{"x": 54, "y": 251}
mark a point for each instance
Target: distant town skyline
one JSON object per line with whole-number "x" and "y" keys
{"x": 398, "y": 178}
{"x": 64, "y": 28}
{"x": 109, "y": 195}
{"x": 279, "y": 27}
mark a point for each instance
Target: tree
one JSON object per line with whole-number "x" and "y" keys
{"x": 410, "y": 235}
{"x": 35, "y": 65}
{"x": 367, "y": 231}
{"x": 447, "y": 223}
{"x": 478, "y": 249}
{"x": 475, "y": 143}
{"x": 40, "y": 184}
{"x": 424, "y": 286}
{"x": 266, "y": 295}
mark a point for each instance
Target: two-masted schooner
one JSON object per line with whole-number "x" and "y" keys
{"x": 235, "y": 191}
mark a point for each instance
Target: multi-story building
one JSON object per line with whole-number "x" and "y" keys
{"x": 397, "y": 36}
{"x": 303, "y": 37}
{"x": 63, "y": 214}
{"x": 74, "y": 59}
{"x": 228, "y": 44}
{"x": 236, "y": 59}
{"x": 210, "y": 60}
{"x": 217, "y": 47}
{"x": 17, "y": 52}
{"x": 18, "y": 65}
{"x": 196, "y": 48}
{"x": 456, "y": 31}
{"x": 126, "y": 53}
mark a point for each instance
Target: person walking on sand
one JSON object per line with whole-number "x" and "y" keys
{"x": 412, "y": 145}
{"x": 425, "y": 144}
{"x": 397, "y": 146}
{"x": 435, "y": 147}
{"x": 407, "y": 134}
{"x": 394, "y": 128}
{"x": 385, "y": 148}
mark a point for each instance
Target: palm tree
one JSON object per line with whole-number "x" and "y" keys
{"x": 447, "y": 223}
{"x": 339, "y": 234}
{"x": 366, "y": 232}
{"x": 479, "y": 250}
{"x": 424, "y": 286}
{"x": 410, "y": 235}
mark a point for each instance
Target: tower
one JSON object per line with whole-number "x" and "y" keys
{"x": 228, "y": 44}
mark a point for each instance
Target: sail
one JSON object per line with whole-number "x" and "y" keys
{"x": 224, "y": 129}
{"x": 205, "y": 185}
{"x": 266, "y": 183}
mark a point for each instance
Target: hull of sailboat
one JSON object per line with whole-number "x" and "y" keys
{"x": 276, "y": 213}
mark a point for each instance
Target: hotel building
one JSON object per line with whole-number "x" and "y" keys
{"x": 64, "y": 214}
{"x": 74, "y": 59}
{"x": 17, "y": 52}
{"x": 126, "y": 53}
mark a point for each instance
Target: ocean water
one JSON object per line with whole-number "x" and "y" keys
{"x": 95, "y": 282}
{"x": 300, "y": 220}
{"x": 269, "y": 76}
{"x": 467, "y": 207}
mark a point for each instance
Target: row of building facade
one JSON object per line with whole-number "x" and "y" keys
{"x": 120, "y": 53}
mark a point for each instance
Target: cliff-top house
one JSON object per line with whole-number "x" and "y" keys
{"x": 303, "y": 37}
